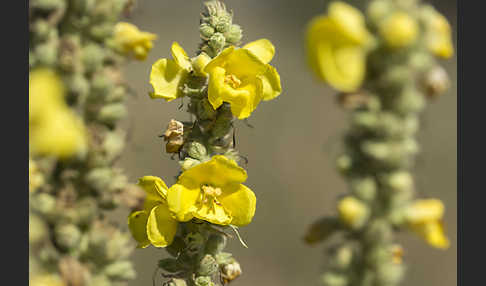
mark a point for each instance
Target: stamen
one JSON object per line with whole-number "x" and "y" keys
{"x": 232, "y": 80}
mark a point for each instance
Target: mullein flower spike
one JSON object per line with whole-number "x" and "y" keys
{"x": 190, "y": 217}
{"x": 76, "y": 97}
{"x": 385, "y": 66}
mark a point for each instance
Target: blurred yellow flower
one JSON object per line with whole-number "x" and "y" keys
{"x": 212, "y": 191}
{"x": 53, "y": 128}
{"x": 46, "y": 280}
{"x": 352, "y": 211}
{"x": 130, "y": 40}
{"x": 167, "y": 76}
{"x": 425, "y": 218}
{"x": 438, "y": 34}
{"x": 337, "y": 46}
{"x": 243, "y": 77}
{"x": 154, "y": 224}
{"x": 399, "y": 30}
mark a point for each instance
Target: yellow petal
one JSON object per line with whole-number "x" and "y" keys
{"x": 213, "y": 213}
{"x": 218, "y": 172}
{"x": 182, "y": 200}
{"x": 137, "y": 223}
{"x": 349, "y": 21}
{"x": 156, "y": 191}
{"x": 343, "y": 67}
{"x": 166, "y": 78}
{"x": 425, "y": 210}
{"x": 217, "y": 89}
{"x": 161, "y": 227}
{"x": 271, "y": 83}
{"x": 199, "y": 63}
{"x": 60, "y": 133}
{"x": 240, "y": 202}
{"x": 220, "y": 60}
{"x": 246, "y": 98}
{"x": 243, "y": 63}
{"x": 262, "y": 48}
{"x": 180, "y": 56}
{"x": 46, "y": 91}
{"x": 433, "y": 233}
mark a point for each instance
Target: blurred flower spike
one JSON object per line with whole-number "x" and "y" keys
{"x": 337, "y": 45}
{"x": 54, "y": 129}
{"x": 130, "y": 40}
{"x": 425, "y": 218}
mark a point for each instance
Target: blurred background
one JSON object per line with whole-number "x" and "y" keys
{"x": 292, "y": 147}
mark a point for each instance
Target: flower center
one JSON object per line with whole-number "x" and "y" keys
{"x": 211, "y": 191}
{"x": 232, "y": 80}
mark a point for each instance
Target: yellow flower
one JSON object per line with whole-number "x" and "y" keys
{"x": 167, "y": 76}
{"x": 46, "y": 280}
{"x": 399, "y": 30}
{"x": 352, "y": 212}
{"x": 337, "y": 46}
{"x": 154, "y": 224}
{"x": 425, "y": 218}
{"x": 438, "y": 34}
{"x": 53, "y": 128}
{"x": 243, "y": 77}
{"x": 212, "y": 191}
{"x": 129, "y": 39}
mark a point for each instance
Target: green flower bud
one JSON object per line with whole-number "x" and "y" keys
{"x": 410, "y": 101}
{"x": 224, "y": 258}
{"x": 207, "y": 266}
{"x": 379, "y": 231}
{"x": 44, "y": 204}
{"x": 78, "y": 85}
{"x": 188, "y": 163}
{"x": 67, "y": 236}
{"x": 85, "y": 211}
{"x": 41, "y": 29}
{"x": 92, "y": 56}
{"x": 176, "y": 282}
{"x": 99, "y": 178}
{"x": 334, "y": 279}
{"x": 389, "y": 273}
{"x": 113, "y": 145}
{"x": 223, "y": 23}
{"x": 217, "y": 41}
{"x": 206, "y": 31}
{"x": 111, "y": 113}
{"x": 377, "y": 10}
{"x": 364, "y": 188}
{"x": 37, "y": 229}
{"x": 120, "y": 270}
{"x": 203, "y": 281}
{"x": 46, "y": 53}
{"x": 197, "y": 150}
{"x": 344, "y": 163}
{"x": 234, "y": 34}
{"x": 343, "y": 257}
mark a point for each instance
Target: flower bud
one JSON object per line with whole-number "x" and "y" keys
{"x": 203, "y": 281}
{"x": 399, "y": 30}
{"x": 197, "y": 150}
{"x": 352, "y": 212}
{"x": 230, "y": 272}
{"x": 389, "y": 273}
{"x": 344, "y": 163}
{"x": 206, "y": 31}
{"x": 199, "y": 63}
{"x": 207, "y": 266}
{"x": 99, "y": 178}
{"x": 364, "y": 188}
{"x": 176, "y": 282}
{"x": 92, "y": 56}
{"x": 343, "y": 257}
{"x": 217, "y": 41}
{"x": 378, "y": 9}
{"x": 436, "y": 82}
{"x": 234, "y": 34}
{"x": 37, "y": 229}
{"x": 111, "y": 113}
{"x": 120, "y": 270}
{"x": 67, "y": 236}
{"x": 334, "y": 279}
{"x": 44, "y": 203}
{"x": 224, "y": 258}
{"x": 100, "y": 280}
{"x": 223, "y": 23}
{"x": 188, "y": 163}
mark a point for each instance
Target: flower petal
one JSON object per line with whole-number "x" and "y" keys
{"x": 166, "y": 78}
{"x": 137, "y": 223}
{"x": 180, "y": 56}
{"x": 213, "y": 213}
{"x": 271, "y": 83}
{"x": 156, "y": 191}
{"x": 433, "y": 233}
{"x": 240, "y": 202}
{"x": 343, "y": 67}
{"x": 182, "y": 200}
{"x": 262, "y": 48}
{"x": 243, "y": 104}
{"x": 243, "y": 63}
{"x": 217, "y": 88}
{"x": 425, "y": 210}
{"x": 219, "y": 172}
{"x": 161, "y": 227}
